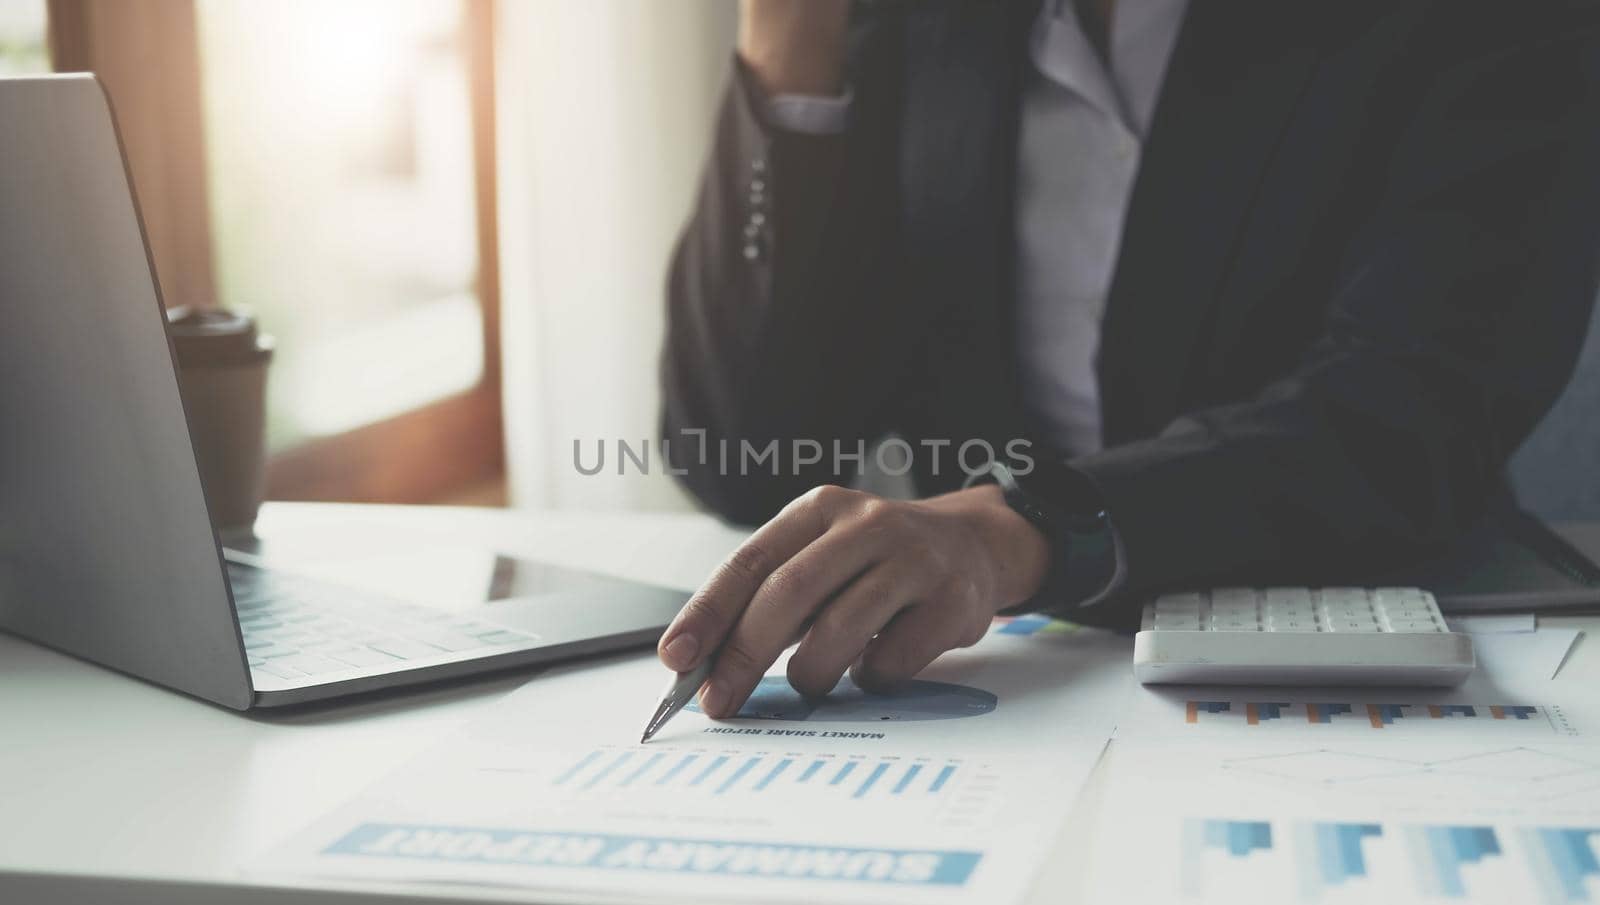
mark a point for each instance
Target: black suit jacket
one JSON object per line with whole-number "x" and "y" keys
{"x": 1356, "y": 271}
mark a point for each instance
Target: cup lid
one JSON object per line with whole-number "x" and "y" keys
{"x": 214, "y": 336}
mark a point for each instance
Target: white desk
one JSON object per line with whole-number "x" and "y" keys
{"x": 112, "y": 790}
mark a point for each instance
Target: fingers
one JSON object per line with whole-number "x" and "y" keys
{"x": 912, "y": 640}
{"x": 842, "y": 631}
{"x": 709, "y": 615}
{"x": 781, "y": 606}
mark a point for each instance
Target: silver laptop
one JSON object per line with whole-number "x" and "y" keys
{"x": 106, "y": 548}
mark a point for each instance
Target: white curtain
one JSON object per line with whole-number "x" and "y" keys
{"x": 605, "y": 110}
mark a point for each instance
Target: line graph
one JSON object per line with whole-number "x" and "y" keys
{"x": 1520, "y": 773}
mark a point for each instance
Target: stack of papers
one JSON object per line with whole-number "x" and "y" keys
{"x": 954, "y": 788}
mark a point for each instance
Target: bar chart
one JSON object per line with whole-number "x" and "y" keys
{"x": 1219, "y": 853}
{"x": 1563, "y": 862}
{"x": 1499, "y": 719}
{"x": 1444, "y": 854}
{"x": 633, "y": 771}
{"x": 1324, "y": 713}
{"x": 1362, "y": 861}
{"x": 1331, "y": 854}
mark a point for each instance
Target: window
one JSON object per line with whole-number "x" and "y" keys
{"x": 22, "y": 37}
{"x": 339, "y": 137}
{"x": 327, "y": 165}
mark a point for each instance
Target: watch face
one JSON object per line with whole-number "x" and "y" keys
{"x": 1067, "y": 490}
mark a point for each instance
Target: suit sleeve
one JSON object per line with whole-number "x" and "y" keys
{"x": 1456, "y": 322}
{"x": 776, "y": 323}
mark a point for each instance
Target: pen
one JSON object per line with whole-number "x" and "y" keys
{"x": 678, "y": 693}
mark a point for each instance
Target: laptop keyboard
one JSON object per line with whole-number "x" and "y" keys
{"x": 295, "y": 627}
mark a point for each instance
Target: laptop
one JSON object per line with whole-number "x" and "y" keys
{"x": 107, "y": 551}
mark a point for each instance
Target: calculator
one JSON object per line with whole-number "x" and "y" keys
{"x": 1300, "y": 636}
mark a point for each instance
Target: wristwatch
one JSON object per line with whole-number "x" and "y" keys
{"x": 1069, "y": 510}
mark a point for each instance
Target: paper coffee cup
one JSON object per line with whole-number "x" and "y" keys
{"x": 222, "y": 365}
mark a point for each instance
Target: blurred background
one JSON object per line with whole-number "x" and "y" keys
{"x": 455, "y": 218}
{"x": 453, "y": 215}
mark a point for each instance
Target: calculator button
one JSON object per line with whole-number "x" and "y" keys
{"x": 1177, "y": 623}
{"x": 1345, "y": 597}
{"x": 1352, "y": 625}
{"x": 1389, "y": 596}
{"x": 1419, "y": 626}
{"x": 1178, "y": 601}
{"x": 1288, "y": 597}
{"x": 1234, "y": 606}
{"x": 1225, "y": 596}
{"x": 1291, "y": 625}
{"x": 1235, "y": 627}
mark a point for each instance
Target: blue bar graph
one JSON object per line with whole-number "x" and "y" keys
{"x": 1443, "y": 711}
{"x": 640, "y": 770}
{"x": 1562, "y": 860}
{"x": 605, "y": 771}
{"x": 1441, "y": 851}
{"x": 738, "y": 774}
{"x": 811, "y": 770}
{"x": 711, "y": 768}
{"x": 872, "y": 777}
{"x": 767, "y": 780}
{"x": 677, "y": 768}
{"x": 573, "y": 770}
{"x": 1193, "y": 709}
{"x": 907, "y": 777}
{"x": 1330, "y": 853}
{"x": 1323, "y": 713}
{"x": 1382, "y": 715}
{"x": 637, "y": 770}
{"x": 1260, "y": 712}
{"x": 1512, "y": 711}
{"x": 1236, "y": 838}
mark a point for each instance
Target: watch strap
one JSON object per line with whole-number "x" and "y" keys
{"x": 1086, "y": 563}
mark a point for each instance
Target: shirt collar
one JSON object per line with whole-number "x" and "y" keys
{"x": 1143, "y": 33}
{"x": 1065, "y": 55}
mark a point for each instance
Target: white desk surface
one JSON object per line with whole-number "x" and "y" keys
{"x": 112, "y": 790}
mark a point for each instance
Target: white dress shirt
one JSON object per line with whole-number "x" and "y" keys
{"x": 1084, "y": 121}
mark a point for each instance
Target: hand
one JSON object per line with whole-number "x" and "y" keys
{"x": 794, "y": 46}
{"x": 863, "y": 582}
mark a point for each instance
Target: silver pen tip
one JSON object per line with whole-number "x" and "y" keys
{"x": 657, "y": 720}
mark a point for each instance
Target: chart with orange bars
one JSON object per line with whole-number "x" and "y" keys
{"x": 1506, "y": 719}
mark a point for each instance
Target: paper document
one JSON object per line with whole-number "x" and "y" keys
{"x": 1489, "y": 792}
{"x": 1349, "y": 821}
{"x": 1491, "y": 623}
{"x": 947, "y": 790}
{"x": 1527, "y": 656}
